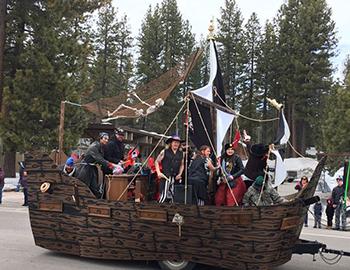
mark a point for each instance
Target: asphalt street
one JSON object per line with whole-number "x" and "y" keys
{"x": 18, "y": 251}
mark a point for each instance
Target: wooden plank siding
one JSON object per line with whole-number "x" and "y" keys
{"x": 243, "y": 238}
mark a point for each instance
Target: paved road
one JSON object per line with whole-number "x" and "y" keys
{"x": 17, "y": 249}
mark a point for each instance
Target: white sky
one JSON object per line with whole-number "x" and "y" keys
{"x": 199, "y": 13}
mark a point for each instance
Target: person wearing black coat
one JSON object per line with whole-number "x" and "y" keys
{"x": 257, "y": 162}
{"x": 329, "y": 213}
{"x": 231, "y": 189}
{"x": 23, "y": 182}
{"x": 318, "y": 214}
{"x": 2, "y": 183}
{"x": 198, "y": 175}
{"x": 338, "y": 204}
{"x": 87, "y": 171}
{"x": 115, "y": 149}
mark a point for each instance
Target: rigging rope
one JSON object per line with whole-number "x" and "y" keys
{"x": 154, "y": 149}
{"x": 212, "y": 146}
{"x": 291, "y": 146}
{"x": 243, "y": 116}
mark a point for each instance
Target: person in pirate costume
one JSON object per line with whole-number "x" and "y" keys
{"x": 260, "y": 194}
{"x": 198, "y": 174}
{"x": 88, "y": 172}
{"x": 231, "y": 187}
{"x": 257, "y": 160}
{"x": 115, "y": 149}
{"x": 172, "y": 162}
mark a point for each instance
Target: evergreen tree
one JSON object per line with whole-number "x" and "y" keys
{"x": 232, "y": 51}
{"x": 172, "y": 26}
{"x": 336, "y": 127}
{"x": 48, "y": 51}
{"x": 165, "y": 40}
{"x": 268, "y": 70}
{"x": 113, "y": 65}
{"x": 307, "y": 42}
{"x": 251, "y": 95}
{"x": 150, "y": 47}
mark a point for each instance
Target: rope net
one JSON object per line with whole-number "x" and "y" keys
{"x": 138, "y": 102}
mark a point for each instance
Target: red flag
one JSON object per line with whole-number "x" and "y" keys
{"x": 236, "y": 139}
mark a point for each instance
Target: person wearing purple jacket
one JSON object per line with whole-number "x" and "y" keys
{"x": 23, "y": 181}
{"x": 2, "y": 183}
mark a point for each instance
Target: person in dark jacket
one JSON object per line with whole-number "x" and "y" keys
{"x": 88, "y": 172}
{"x": 329, "y": 213}
{"x": 318, "y": 214}
{"x": 198, "y": 175}
{"x": 2, "y": 183}
{"x": 257, "y": 161}
{"x": 231, "y": 187}
{"x": 338, "y": 204}
{"x": 171, "y": 160}
{"x": 23, "y": 182}
{"x": 115, "y": 149}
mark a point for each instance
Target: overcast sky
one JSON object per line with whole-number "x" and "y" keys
{"x": 199, "y": 13}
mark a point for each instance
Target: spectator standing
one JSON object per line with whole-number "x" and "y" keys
{"x": 329, "y": 213}
{"x": 23, "y": 181}
{"x": 318, "y": 214}
{"x": 338, "y": 204}
{"x": 301, "y": 185}
{"x": 2, "y": 183}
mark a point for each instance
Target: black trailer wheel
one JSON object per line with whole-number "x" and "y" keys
{"x": 176, "y": 265}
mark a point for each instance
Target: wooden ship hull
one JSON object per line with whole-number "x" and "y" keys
{"x": 69, "y": 219}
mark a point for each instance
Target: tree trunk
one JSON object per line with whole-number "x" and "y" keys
{"x": 294, "y": 130}
{"x": 9, "y": 164}
{"x": 2, "y": 47}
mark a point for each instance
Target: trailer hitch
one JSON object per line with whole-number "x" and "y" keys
{"x": 315, "y": 247}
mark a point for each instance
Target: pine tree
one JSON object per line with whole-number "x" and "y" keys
{"x": 268, "y": 70}
{"x": 251, "y": 95}
{"x": 335, "y": 129}
{"x": 232, "y": 52}
{"x": 172, "y": 25}
{"x": 307, "y": 42}
{"x": 150, "y": 47}
{"x": 113, "y": 64}
{"x": 165, "y": 40}
{"x": 48, "y": 49}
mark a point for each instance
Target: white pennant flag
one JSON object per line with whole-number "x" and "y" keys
{"x": 207, "y": 91}
{"x": 223, "y": 122}
{"x": 280, "y": 169}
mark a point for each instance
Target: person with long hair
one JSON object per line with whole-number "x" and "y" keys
{"x": 198, "y": 174}
{"x": 231, "y": 187}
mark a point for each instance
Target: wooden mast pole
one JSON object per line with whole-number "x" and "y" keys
{"x": 61, "y": 133}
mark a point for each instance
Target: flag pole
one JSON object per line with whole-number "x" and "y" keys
{"x": 187, "y": 146}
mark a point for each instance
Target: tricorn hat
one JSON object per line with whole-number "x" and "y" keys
{"x": 173, "y": 138}
{"x": 259, "y": 150}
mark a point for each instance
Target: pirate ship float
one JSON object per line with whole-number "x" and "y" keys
{"x": 66, "y": 217}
